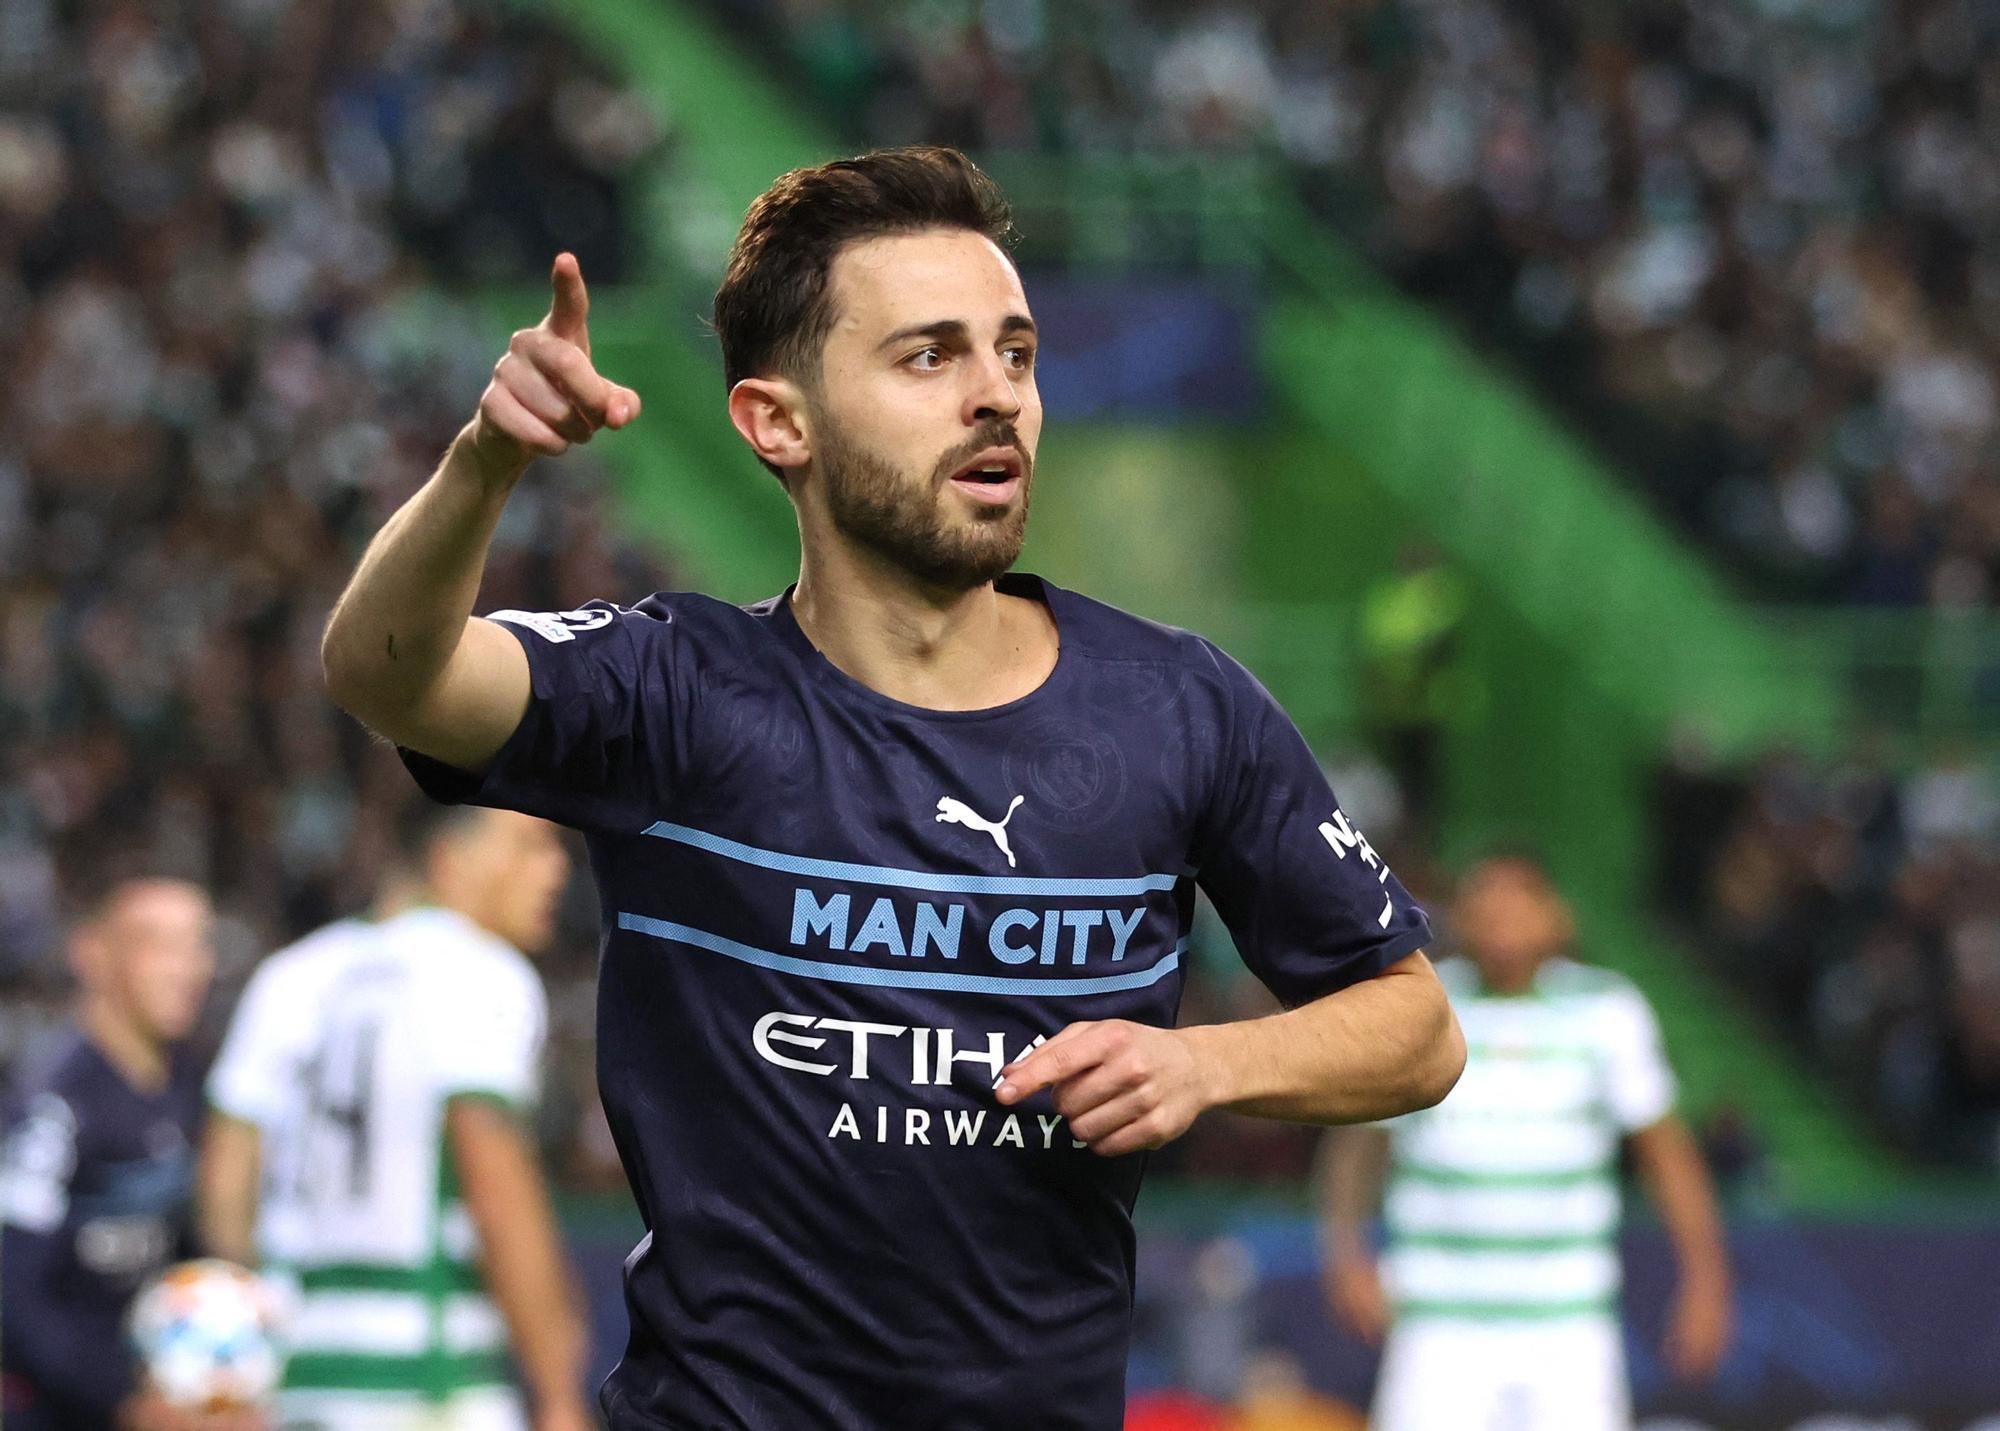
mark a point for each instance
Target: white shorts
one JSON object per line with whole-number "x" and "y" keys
{"x": 1564, "y": 1375}
{"x": 477, "y": 1408}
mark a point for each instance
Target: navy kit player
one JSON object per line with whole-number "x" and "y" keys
{"x": 897, "y": 867}
{"x": 97, "y": 1171}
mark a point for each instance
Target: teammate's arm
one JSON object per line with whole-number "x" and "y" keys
{"x": 402, "y": 650}
{"x": 226, "y": 1188}
{"x": 1386, "y": 1045}
{"x": 525, "y": 1273}
{"x": 1354, "y": 1163}
{"x": 1677, "y": 1181}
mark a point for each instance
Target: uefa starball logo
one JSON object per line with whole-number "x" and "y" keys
{"x": 557, "y": 626}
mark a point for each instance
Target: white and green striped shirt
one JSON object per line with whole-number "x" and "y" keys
{"x": 1503, "y": 1200}
{"x": 346, "y": 1058}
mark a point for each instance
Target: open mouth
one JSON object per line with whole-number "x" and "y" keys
{"x": 991, "y": 476}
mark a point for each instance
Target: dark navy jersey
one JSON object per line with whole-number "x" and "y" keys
{"x": 96, "y": 1179}
{"x": 831, "y": 918}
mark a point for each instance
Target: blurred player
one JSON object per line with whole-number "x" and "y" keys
{"x": 1499, "y": 1291}
{"x": 375, "y": 1083}
{"x": 897, "y": 868}
{"x": 98, "y": 1168}
{"x": 258, "y": 1089}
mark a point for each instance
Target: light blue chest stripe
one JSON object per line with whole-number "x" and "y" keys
{"x": 902, "y": 978}
{"x": 902, "y": 879}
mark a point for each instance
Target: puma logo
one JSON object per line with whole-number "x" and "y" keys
{"x": 957, "y": 812}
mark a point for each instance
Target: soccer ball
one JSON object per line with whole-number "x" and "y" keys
{"x": 207, "y": 1335}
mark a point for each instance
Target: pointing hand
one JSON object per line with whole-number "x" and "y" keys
{"x": 545, "y": 395}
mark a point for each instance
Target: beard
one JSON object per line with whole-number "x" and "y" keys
{"x": 908, "y": 523}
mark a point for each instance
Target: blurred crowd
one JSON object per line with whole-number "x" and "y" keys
{"x": 1860, "y": 904}
{"x": 232, "y": 232}
{"x": 230, "y": 236}
{"x": 1747, "y": 244}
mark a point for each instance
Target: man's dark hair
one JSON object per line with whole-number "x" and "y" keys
{"x": 93, "y": 874}
{"x": 773, "y": 310}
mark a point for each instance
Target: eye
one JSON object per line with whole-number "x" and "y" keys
{"x": 1021, "y": 355}
{"x": 926, "y": 360}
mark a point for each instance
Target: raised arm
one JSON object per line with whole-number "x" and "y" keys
{"x": 1381, "y": 1047}
{"x": 403, "y": 652}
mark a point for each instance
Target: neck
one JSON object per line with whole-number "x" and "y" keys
{"x": 140, "y": 1059}
{"x": 920, "y": 644}
{"x": 430, "y": 897}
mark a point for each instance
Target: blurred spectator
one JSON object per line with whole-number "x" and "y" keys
{"x": 1737, "y": 1158}
{"x": 1861, "y": 904}
{"x": 232, "y": 240}
{"x": 1748, "y": 244}
{"x": 1410, "y": 623}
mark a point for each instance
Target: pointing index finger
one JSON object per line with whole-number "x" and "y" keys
{"x": 569, "y": 307}
{"x": 1048, "y": 1064}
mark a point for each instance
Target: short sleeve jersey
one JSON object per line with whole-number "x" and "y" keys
{"x": 260, "y": 1075}
{"x": 375, "y": 1028}
{"x": 1503, "y": 1200}
{"x": 831, "y": 918}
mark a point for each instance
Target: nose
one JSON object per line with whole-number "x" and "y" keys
{"x": 991, "y": 393}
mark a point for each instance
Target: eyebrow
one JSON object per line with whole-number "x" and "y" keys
{"x": 955, "y": 329}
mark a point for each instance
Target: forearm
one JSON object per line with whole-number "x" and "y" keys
{"x": 1385, "y": 1046}
{"x": 1679, "y": 1186}
{"x": 225, "y": 1231}
{"x": 521, "y": 1257}
{"x": 226, "y": 1201}
{"x": 527, "y": 1280}
{"x": 396, "y": 627}
{"x": 1355, "y": 1160}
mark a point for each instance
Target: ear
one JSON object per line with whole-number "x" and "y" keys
{"x": 770, "y": 415}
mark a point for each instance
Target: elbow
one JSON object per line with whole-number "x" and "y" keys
{"x": 1442, "y": 1060}
{"x": 336, "y": 666}
{"x": 352, "y": 682}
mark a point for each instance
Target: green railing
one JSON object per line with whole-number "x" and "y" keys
{"x": 1902, "y": 683}
{"x": 1139, "y": 211}
{"x": 1906, "y": 679}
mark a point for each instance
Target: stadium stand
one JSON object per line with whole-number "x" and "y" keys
{"x": 1857, "y": 905}
{"x": 1727, "y": 239}
{"x": 187, "y": 462}
{"x": 230, "y": 237}
{"x": 1745, "y": 249}
{"x": 1738, "y": 247}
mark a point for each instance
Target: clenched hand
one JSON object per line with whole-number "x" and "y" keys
{"x": 545, "y": 395}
